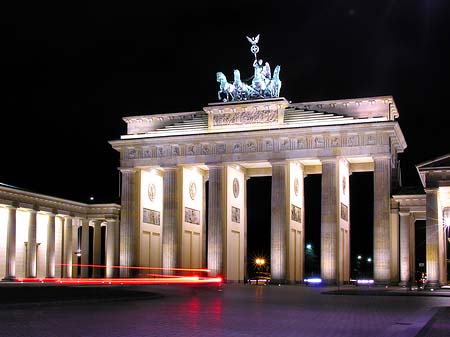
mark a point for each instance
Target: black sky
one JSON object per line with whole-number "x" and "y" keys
{"x": 70, "y": 73}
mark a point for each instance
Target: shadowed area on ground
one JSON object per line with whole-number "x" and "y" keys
{"x": 24, "y": 293}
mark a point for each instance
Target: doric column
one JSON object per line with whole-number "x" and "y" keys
{"x": 381, "y": 220}
{"x": 50, "y": 254}
{"x": 68, "y": 249}
{"x": 216, "y": 219}
{"x": 97, "y": 253}
{"x": 432, "y": 238}
{"x": 329, "y": 219}
{"x": 10, "y": 274}
{"x": 405, "y": 249}
{"x": 111, "y": 247}
{"x": 170, "y": 219}
{"x": 84, "y": 247}
{"x": 279, "y": 222}
{"x": 128, "y": 222}
{"x": 31, "y": 245}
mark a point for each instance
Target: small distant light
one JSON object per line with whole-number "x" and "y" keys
{"x": 91, "y": 198}
{"x": 308, "y": 246}
{"x": 365, "y": 281}
{"x": 314, "y": 280}
{"x": 359, "y": 257}
{"x": 369, "y": 259}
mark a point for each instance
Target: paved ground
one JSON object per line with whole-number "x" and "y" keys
{"x": 237, "y": 310}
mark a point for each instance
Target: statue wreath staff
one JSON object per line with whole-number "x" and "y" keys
{"x": 254, "y": 48}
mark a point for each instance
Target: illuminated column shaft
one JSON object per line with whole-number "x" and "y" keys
{"x": 216, "y": 219}
{"x": 381, "y": 221}
{"x": 405, "y": 249}
{"x": 279, "y": 223}
{"x": 170, "y": 219}
{"x": 432, "y": 238}
{"x": 10, "y": 274}
{"x": 111, "y": 247}
{"x": 128, "y": 223}
{"x": 68, "y": 249}
{"x": 50, "y": 271}
{"x": 84, "y": 247}
{"x": 31, "y": 248}
{"x": 97, "y": 248}
{"x": 329, "y": 219}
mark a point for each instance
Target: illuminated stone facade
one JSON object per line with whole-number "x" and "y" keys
{"x": 44, "y": 237}
{"x": 163, "y": 220}
{"x": 228, "y": 143}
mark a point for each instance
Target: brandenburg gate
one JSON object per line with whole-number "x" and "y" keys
{"x": 166, "y": 159}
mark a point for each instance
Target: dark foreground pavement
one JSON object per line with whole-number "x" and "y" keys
{"x": 236, "y": 310}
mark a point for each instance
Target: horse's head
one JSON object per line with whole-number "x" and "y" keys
{"x": 276, "y": 73}
{"x": 237, "y": 75}
{"x": 220, "y": 77}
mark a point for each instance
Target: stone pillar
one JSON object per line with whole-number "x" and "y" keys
{"x": 381, "y": 222}
{"x": 84, "y": 247}
{"x": 329, "y": 220}
{"x": 111, "y": 248}
{"x": 129, "y": 222}
{"x": 432, "y": 238}
{"x": 170, "y": 220}
{"x": 216, "y": 219}
{"x": 279, "y": 223}
{"x": 10, "y": 273}
{"x": 97, "y": 271}
{"x": 68, "y": 249}
{"x": 50, "y": 254}
{"x": 405, "y": 249}
{"x": 31, "y": 246}
{"x": 204, "y": 234}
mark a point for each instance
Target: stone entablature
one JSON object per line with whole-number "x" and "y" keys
{"x": 260, "y": 114}
{"x": 371, "y": 107}
{"x": 148, "y": 123}
{"x": 354, "y": 140}
{"x": 222, "y": 116}
{"x": 23, "y": 199}
{"x": 411, "y": 203}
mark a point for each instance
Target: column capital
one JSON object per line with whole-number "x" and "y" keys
{"x": 215, "y": 165}
{"x": 33, "y": 210}
{"x": 431, "y": 190}
{"x": 329, "y": 159}
{"x": 13, "y": 206}
{"x": 128, "y": 169}
{"x": 278, "y": 162}
{"x": 404, "y": 213}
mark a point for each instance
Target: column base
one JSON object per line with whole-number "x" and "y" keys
{"x": 277, "y": 282}
{"x": 9, "y": 279}
{"x": 432, "y": 285}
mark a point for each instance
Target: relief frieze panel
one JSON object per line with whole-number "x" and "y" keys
{"x": 250, "y": 146}
{"x": 237, "y": 148}
{"x": 318, "y": 142}
{"x": 221, "y": 148}
{"x": 285, "y": 144}
{"x": 245, "y": 117}
{"x": 268, "y": 145}
{"x": 232, "y": 146}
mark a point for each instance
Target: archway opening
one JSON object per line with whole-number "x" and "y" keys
{"x": 312, "y": 190}
{"x": 361, "y": 225}
{"x": 259, "y": 191}
{"x": 420, "y": 244}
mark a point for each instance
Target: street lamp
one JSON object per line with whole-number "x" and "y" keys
{"x": 260, "y": 262}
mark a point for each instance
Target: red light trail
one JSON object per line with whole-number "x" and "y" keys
{"x": 154, "y": 279}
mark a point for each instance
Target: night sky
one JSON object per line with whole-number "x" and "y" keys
{"x": 69, "y": 74}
